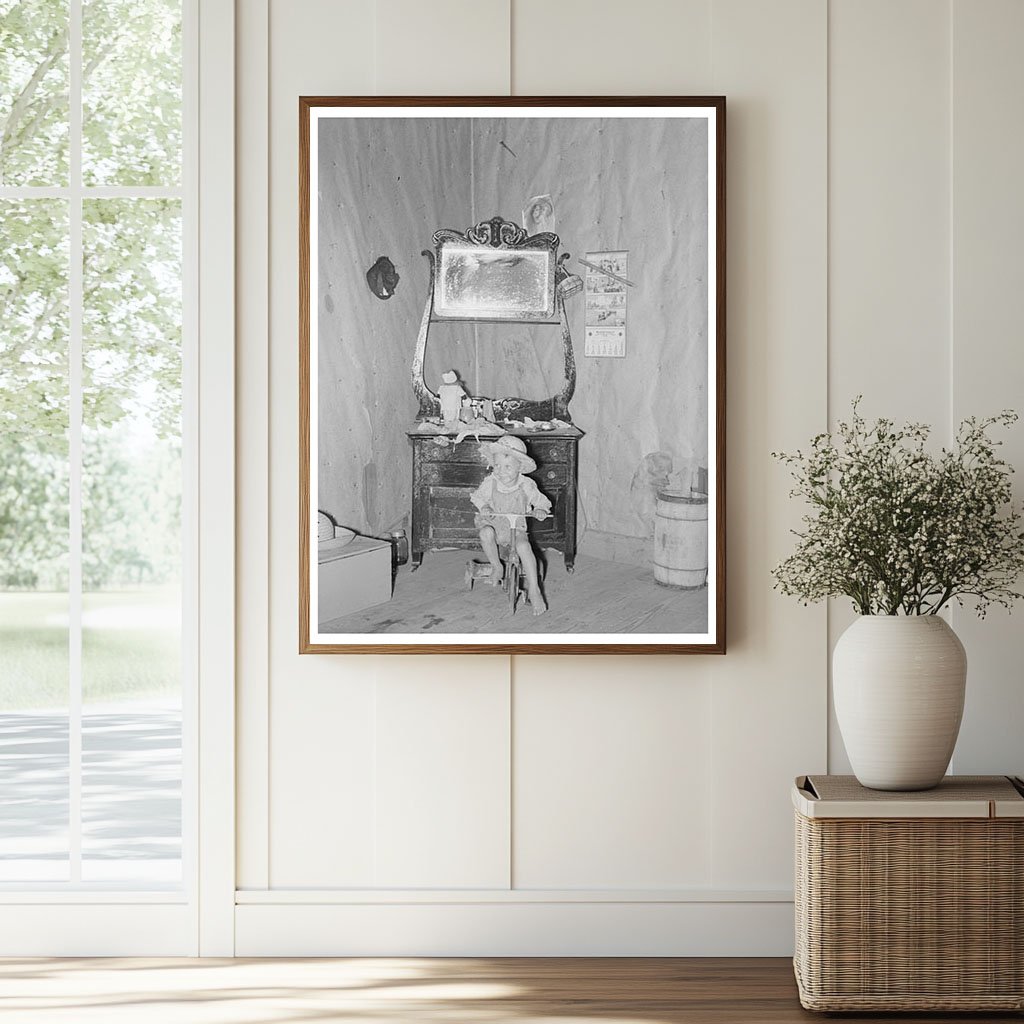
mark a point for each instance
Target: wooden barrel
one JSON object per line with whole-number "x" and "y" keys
{"x": 681, "y": 540}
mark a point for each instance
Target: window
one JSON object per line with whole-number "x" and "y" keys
{"x": 95, "y": 464}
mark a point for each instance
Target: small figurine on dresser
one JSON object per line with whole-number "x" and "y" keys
{"x": 452, "y": 394}
{"x": 506, "y": 494}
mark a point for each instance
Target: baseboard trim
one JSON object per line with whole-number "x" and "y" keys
{"x": 506, "y": 928}
{"x": 348, "y": 897}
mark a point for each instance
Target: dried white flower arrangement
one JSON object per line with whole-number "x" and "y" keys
{"x": 900, "y": 530}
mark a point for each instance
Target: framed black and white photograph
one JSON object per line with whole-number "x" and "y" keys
{"x": 512, "y": 380}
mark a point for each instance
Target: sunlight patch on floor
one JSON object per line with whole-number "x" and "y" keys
{"x": 188, "y": 991}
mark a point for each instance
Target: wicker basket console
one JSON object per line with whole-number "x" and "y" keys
{"x": 910, "y": 901}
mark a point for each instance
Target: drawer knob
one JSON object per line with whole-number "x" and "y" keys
{"x": 551, "y": 474}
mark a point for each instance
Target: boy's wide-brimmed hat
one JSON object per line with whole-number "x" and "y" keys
{"x": 514, "y": 445}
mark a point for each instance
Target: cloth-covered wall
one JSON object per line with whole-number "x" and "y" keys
{"x": 616, "y": 184}
{"x": 385, "y": 186}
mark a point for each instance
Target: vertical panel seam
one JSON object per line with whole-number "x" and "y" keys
{"x": 826, "y": 724}
{"x": 265, "y": 724}
{"x": 950, "y": 125}
{"x": 828, "y": 343}
{"x": 375, "y": 803}
{"x": 711, "y": 43}
{"x": 511, "y": 52}
{"x": 510, "y": 691}
{"x": 950, "y": 356}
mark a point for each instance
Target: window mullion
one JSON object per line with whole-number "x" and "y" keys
{"x": 94, "y": 191}
{"x": 75, "y": 334}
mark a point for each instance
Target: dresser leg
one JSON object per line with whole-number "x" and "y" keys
{"x": 417, "y": 560}
{"x": 570, "y": 563}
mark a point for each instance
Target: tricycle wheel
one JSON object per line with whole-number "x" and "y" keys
{"x": 512, "y": 577}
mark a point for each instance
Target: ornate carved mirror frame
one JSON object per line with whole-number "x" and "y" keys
{"x": 482, "y": 245}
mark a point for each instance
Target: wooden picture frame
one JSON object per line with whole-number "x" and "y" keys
{"x": 400, "y": 422}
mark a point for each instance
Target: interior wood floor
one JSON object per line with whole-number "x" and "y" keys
{"x": 407, "y": 990}
{"x": 599, "y": 597}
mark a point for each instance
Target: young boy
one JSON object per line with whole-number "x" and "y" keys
{"x": 507, "y": 489}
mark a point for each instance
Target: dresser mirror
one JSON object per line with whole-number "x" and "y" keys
{"x": 495, "y": 273}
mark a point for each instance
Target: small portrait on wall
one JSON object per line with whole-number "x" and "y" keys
{"x": 539, "y": 214}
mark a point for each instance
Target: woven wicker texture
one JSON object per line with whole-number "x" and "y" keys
{"x": 960, "y": 787}
{"x": 912, "y": 914}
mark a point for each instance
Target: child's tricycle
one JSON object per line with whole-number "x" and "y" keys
{"x": 514, "y": 580}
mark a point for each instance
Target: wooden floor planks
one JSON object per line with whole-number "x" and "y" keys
{"x": 415, "y": 991}
{"x": 599, "y": 597}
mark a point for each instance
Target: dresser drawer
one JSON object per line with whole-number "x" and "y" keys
{"x": 429, "y": 450}
{"x": 450, "y": 514}
{"x": 461, "y": 474}
{"x": 452, "y": 474}
{"x": 551, "y": 475}
{"x": 548, "y": 451}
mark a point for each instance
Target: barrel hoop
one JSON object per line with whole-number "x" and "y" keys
{"x": 676, "y": 498}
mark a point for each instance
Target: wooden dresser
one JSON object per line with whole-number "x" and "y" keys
{"x": 495, "y": 274}
{"x": 444, "y": 474}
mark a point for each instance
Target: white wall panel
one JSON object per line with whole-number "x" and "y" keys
{"x": 322, "y": 760}
{"x": 889, "y": 250}
{"x": 889, "y": 209}
{"x": 386, "y": 778}
{"x": 317, "y": 48}
{"x": 578, "y": 47}
{"x": 612, "y": 780}
{"x": 768, "y": 693}
{"x": 320, "y": 812}
{"x": 988, "y": 328}
{"x": 442, "y": 774}
{"x": 442, "y": 48}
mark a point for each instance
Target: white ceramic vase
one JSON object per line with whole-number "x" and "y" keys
{"x": 898, "y": 684}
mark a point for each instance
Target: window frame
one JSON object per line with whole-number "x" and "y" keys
{"x": 69, "y": 918}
